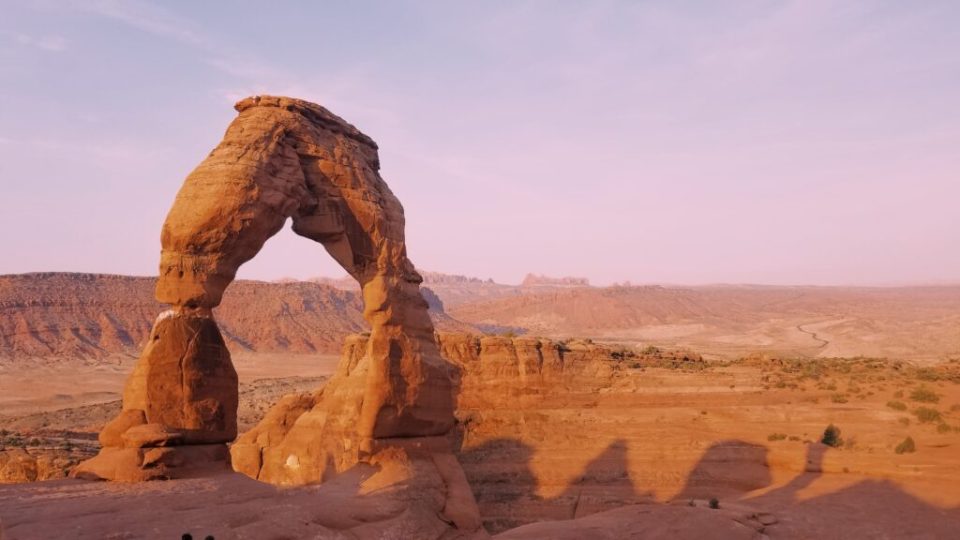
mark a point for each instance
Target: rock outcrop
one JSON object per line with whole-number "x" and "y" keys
{"x": 282, "y": 159}
{"x": 518, "y": 376}
{"x": 18, "y": 465}
{"x": 179, "y": 405}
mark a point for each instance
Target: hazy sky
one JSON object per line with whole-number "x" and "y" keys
{"x": 797, "y": 142}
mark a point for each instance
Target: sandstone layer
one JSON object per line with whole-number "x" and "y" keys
{"x": 94, "y": 316}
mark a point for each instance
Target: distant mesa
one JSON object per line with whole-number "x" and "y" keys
{"x": 535, "y": 280}
{"x": 439, "y": 278}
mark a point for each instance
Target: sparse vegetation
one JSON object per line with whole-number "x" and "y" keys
{"x": 904, "y": 420}
{"x": 907, "y": 446}
{"x": 831, "y": 436}
{"x": 839, "y": 398}
{"x": 776, "y": 436}
{"x": 897, "y": 405}
{"x": 942, "y": 427}
{"x": 715, "y": 503}
{"x": 927, "y": 415}
{"x": 924, "y": 395}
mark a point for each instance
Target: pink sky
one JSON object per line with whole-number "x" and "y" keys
{"x": 799, "y": 142}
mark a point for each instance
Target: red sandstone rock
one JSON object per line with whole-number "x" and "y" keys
{"x": 286, "y": 158}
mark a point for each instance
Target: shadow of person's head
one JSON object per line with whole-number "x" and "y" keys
{"x": 731, "y": 467}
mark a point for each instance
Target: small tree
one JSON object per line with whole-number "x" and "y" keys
{"x": 715, "y": 503}
{"x": 831, "y": 436}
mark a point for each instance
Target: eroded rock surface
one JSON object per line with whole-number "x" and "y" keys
{"x": 179, "y": 405}
{"x": 282, "y": 159}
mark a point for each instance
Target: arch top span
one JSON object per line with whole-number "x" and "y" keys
{"x": 280, "y": 158}
{"x": 288, "y": 158}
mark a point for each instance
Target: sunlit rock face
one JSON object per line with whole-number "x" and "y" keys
{"x": 280, "y": 158}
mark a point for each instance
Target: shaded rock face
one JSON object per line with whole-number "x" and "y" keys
{"x": 280, "y": 159}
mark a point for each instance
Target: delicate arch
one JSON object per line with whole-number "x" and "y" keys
{"x": 287, "y": 158}
{"x": 280, "y": 158}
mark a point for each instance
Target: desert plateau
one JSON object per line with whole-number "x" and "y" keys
{"x": 589, "y": 271}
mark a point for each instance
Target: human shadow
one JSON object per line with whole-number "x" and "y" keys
{"x": 735, "y": 472}
{"x": 729, "y": 467}
{"x": 840, "y": 507}
{"x": 506, "y": 488}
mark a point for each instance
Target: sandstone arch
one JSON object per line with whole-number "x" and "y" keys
{"x": 280, "y": 159}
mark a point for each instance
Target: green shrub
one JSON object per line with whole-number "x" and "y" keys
{"x": 906, "y": 447}
{"x": 776, "y": 436}
{"x": 926, "y": 414}
{"x": 831, "y": 436}
{"x": 942, "y": 427}
{"x": 924, "y": 395}
{"x": 897, "y": 405}
{"x": 838, "y": 398}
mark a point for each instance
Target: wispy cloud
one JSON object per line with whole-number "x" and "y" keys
{"x": 108, "y": 154}
{"x": 50, "y": 43}
{"x": 163, "y": 23}
{"x": 146, "y": 17}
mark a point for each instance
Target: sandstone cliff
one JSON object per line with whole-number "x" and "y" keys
{"x": 95, "y": 315}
